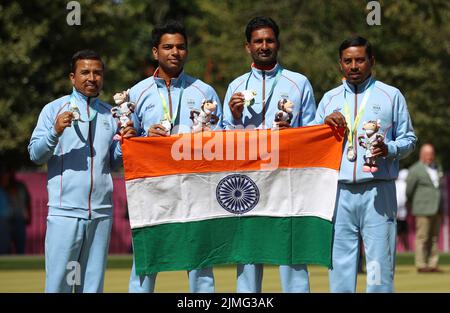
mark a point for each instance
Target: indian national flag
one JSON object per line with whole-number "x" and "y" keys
{"x": 254, "y": 196}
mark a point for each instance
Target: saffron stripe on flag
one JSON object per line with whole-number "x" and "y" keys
{"x": 224, "y": 151}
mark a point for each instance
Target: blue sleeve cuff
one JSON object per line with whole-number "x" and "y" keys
{"x": 53, "y": 137}
{"x": 392, "y": 150}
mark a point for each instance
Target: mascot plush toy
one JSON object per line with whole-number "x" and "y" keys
{"x": 367, "y": 141}
{"x": 203, "y": 119}
{"x": 123, "y": 108}
{"x": 284, "y": 114}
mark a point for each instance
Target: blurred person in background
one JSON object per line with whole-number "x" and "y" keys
{"x": 423, "y": 191}
{"x": 20, "y": 210}
{"x": 402, "y": 210}
{"x": 4, "y": 217}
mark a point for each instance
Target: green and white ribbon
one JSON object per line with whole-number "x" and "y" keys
{"x": 352, "y": 130}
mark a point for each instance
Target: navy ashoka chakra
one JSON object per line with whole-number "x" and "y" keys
{"x": 237, "y": 193}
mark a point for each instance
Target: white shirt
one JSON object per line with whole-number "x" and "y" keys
{"x": 433, "y": 173}
{"x": 400, "y": 187}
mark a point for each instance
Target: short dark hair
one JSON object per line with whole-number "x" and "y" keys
{"x": 170, "y": 27}
{"x": 261, "y": 22}
{"x": 356, "y": 42}
{"x": 84, "y": 55}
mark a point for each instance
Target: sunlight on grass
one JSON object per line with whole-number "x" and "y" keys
{"x": 116, "y": 280}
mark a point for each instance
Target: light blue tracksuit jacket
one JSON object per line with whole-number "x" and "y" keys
{"x": 289, "y": 85}
{"x": 149, "y": 108}
{"x": 387, "y": 104}
{"x": 80, "y": 160}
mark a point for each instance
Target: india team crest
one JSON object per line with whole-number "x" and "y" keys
{"x": 237, "y": 193}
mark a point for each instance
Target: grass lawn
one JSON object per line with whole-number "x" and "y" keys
{"x": 26, "y": 274}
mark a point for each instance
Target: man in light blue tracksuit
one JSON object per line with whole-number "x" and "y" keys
{"x": 163, "y": 107}
{"x": 366, "y": 201}
{"x": 272, "y": 84}
{"x": 74, "y": 136}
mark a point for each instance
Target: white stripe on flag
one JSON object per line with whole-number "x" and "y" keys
{"x": 192, "y": 197}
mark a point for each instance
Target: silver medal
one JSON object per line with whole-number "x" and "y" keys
{"x": 167, "y": 125}
{"x": 351, "y": 155}
{"x": 76, "y": 112}
{"x": 249, "y": 97}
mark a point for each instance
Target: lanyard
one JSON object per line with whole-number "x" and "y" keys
{"x": 166, "y": 108}
{"x": 275, "y": 82}
{"x": 352, "y": 130}
{"x": 74, "y": 108}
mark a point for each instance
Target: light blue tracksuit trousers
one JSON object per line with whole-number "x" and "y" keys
{"x": 368, "y": 209}
{"x": 76, "y": 251}
{"x": 294, "y": 278}
{"x": 200, "y": 281}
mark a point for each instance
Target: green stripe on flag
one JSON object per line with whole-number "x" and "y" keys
{"x": 244, "y": 240}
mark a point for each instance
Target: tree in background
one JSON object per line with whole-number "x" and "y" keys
{"x": 412, "y": 49}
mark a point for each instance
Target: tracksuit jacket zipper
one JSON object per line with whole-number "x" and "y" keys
{"x": 355, "y": 135}
{"x": 264, "y": 100}
{"x": 170, "y": 101}
{"x": 92, "y": 161}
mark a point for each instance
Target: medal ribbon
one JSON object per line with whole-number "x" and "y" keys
{"x": 275, "y": 82}
{"x": 166, "y": 108}
{"x": 352, "y": 130}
